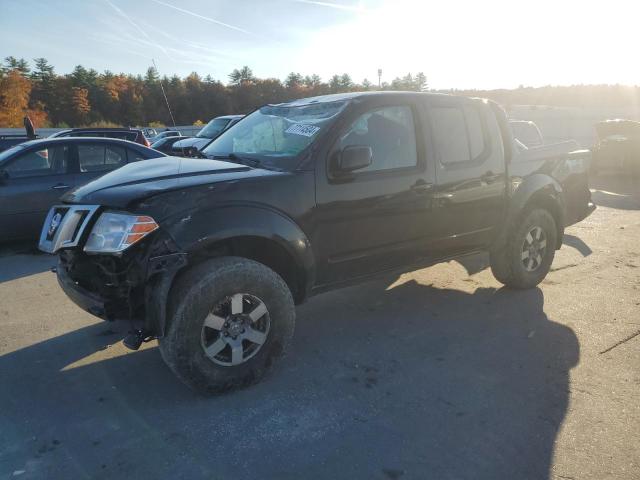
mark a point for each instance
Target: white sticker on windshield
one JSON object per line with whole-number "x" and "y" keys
{"x": 302, "y": 129}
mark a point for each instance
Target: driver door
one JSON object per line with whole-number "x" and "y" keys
{"x": 36, "y": 180}
{"x": 379, "y": 217}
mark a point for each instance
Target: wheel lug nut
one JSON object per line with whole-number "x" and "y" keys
{"x": 226, "y": 324}
{"x": 226, "y": 334}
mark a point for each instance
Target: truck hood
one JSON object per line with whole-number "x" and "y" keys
{"x": 139, "y": 180}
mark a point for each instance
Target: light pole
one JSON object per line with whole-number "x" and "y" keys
{"x": 379, "y": 76}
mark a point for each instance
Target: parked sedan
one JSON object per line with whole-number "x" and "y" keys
{"x": 132, "y": 134}
{"x": 165, "y": 134}
{"x": 165, "y": 145}
{"x": 33, "y": 175}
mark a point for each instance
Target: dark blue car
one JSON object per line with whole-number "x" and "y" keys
{"x": 33, "y": 175}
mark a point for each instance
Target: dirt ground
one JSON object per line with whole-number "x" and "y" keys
{"x": 437, "y": 374}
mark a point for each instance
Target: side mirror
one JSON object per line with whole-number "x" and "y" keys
{"x": 354, "y": 157}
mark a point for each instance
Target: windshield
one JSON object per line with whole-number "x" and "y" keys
{"x": 274, "y": 132}
{"x": 9, "y": 152}
{"x": 213, "y": 128}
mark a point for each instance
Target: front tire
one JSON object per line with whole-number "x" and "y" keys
{"x": 229, "y": 318}
{"x": 525, "y": 258}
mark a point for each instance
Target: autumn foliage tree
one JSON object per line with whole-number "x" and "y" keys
{"x": 87, "y": 97}
{"x": 80, "y": 104}
{"x": 15, "y": 91}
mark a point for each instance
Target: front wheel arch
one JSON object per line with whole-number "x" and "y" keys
{"x": 195, "y": 292}
{"x": 265, "y": 251}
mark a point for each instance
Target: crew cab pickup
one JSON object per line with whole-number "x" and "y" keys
{"x": 210, "y": 256}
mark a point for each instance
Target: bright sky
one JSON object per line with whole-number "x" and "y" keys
{"x": 456, "y": 43}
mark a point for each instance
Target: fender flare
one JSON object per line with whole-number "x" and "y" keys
{"x": 537, "y": 188}
{"x": 196, "y": 231}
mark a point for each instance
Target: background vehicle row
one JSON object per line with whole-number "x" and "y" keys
{"x": 34, "y": 174}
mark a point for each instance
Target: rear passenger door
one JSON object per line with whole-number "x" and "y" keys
{"x": 470, "y": 173}
{"x": 96, "y": 159}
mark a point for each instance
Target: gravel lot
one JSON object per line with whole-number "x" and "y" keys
{"x": 437, "y": 374}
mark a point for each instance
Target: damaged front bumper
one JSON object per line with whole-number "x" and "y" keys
{"x": 133, "y": 289}
{"x": 90, "y": 302}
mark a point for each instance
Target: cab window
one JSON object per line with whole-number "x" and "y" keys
{"x": 458, "y": 134}
{"x": 390, "y": 132}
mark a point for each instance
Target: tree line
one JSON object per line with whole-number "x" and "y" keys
{"x": 87, "y": 97}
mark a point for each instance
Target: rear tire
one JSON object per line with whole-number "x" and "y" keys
{"x": 212, "y": 343}
{"x": 525, "y": 258}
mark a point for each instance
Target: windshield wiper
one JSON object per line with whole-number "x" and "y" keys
{"x": 251, "y": 162}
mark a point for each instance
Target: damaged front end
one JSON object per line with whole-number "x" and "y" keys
{"x": 131, "y": 285}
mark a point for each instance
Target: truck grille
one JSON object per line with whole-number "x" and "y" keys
{"x": 64, "y": 226}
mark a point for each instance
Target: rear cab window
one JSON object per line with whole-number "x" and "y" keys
{"x": 458, "y": 134}
{"x": 466, "y": 139}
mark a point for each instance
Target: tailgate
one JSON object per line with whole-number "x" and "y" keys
{"x": 573, "y": 174}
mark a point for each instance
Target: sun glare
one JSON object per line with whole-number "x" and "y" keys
{"x": 483, "y": 44}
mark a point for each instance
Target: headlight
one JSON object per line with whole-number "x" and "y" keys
{"x": 115, "y": 232}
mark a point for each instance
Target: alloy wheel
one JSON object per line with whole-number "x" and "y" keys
{"x": 235, "y": 329}
{"x": 533, "y": 249}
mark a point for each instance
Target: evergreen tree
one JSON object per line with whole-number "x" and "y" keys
{"x": 239, "y": 77}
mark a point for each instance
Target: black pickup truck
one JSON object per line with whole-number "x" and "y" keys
{"x": 210, "y": 256}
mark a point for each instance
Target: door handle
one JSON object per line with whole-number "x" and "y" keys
{"x": 421, "y": 187}
{"x": 489, "y": 177}
{"x": 59, "y": 186}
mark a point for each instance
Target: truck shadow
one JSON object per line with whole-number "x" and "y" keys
{"x": 383, "y": 381}
{"x": 478, "y": 262}
{"x": 21, "y": 259}
{"x": 18, "y": 266}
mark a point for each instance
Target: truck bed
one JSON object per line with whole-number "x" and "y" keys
{"x": 568, "y": 165}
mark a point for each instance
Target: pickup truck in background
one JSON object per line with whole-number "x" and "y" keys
{"x": 210, "y": 256}
{"x": 190, "y": 147}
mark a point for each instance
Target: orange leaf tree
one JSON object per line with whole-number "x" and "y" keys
{"x": 14, "y": 99}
